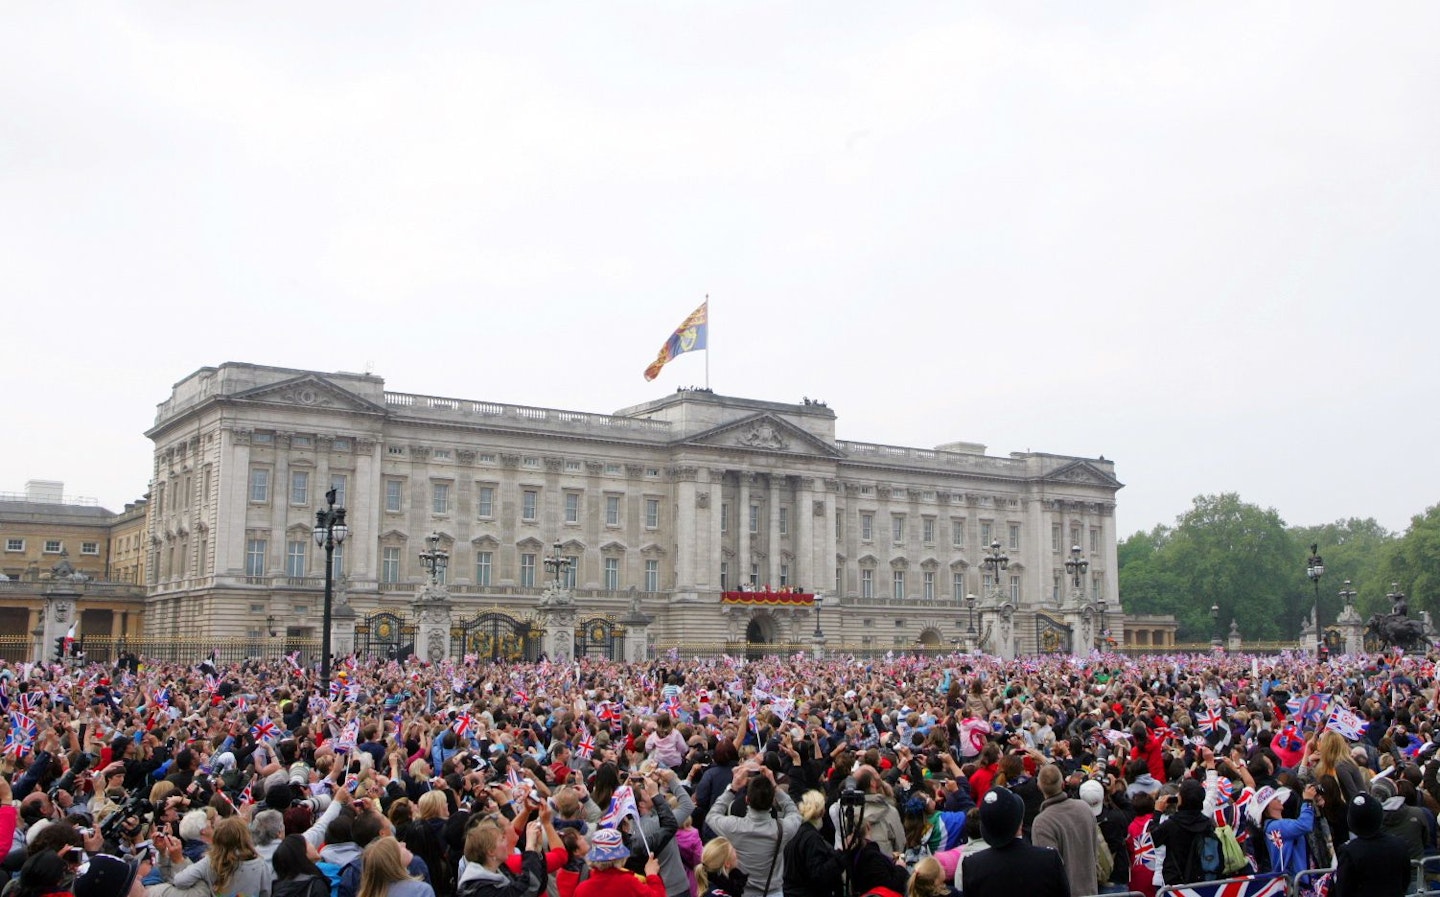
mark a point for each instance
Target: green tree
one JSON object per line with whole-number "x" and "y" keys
{"x": 1354, "y": 550}
{"x": 1223, "y": 552}
{"x": 1413, "y": 561}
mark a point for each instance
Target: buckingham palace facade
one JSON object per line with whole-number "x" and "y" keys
{"x": 667, "y": 509}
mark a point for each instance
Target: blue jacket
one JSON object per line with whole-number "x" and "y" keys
{"x": 1285, "y": 839}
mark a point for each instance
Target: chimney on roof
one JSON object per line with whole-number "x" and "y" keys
{"x": 48, "y": 491}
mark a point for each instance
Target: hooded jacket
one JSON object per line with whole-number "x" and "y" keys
{"x": 1177, "y": 834}
{"x": 478, "y": 881}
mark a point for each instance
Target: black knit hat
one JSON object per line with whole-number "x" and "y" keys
{"x": 1365, "y": 815}
{"x": 1001, "y": 812}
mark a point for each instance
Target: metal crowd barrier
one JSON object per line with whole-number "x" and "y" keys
{"x": 1426, "y": 868}
{"x": 1269, "y": 884}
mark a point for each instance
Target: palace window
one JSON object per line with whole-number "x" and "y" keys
{"x": 394, "y": 495}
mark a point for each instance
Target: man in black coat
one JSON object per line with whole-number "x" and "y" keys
{"x": 1011, "y": 866}
{"x": 1372, "y": 863}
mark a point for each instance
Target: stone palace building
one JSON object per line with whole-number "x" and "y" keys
{"x": 706, "y": 521}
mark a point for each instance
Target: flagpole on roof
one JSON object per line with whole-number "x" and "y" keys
{"x": 707, "y": 342}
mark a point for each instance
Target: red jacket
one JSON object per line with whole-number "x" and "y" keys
{"x": 981, "y": 781}
{"x": 1153, "y": 753}
{"x": 620, "y": 883}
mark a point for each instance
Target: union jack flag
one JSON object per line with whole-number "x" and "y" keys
{"x": 30, "y": 700}
{"x": 461, "y": 724}
{"x": 1211, "y": 719}
{"x": 1272, "y": 885}
{"x": 671, "y": 706}
{"x": 521, "y": 695}
{"x": 293, "y": 658}
{"x": 247, "y": 795}
{"x": 1144, "y": 849}
{"x": 352, "y": 692}
{"x": 242, "y": 703}
{"x": 162, "y": 698}
{"x": 585, "y": 747}
{"x": 21, "y": 737}
{"x": 263, "y": 730}
{"x": 4, "y": 699}
{"x": 610, "y": 712}
{"x": 335, "y": 688}
{"x": 1275, "y": 837}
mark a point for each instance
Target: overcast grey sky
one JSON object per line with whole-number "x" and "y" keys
{"x": 1199, "y": 239}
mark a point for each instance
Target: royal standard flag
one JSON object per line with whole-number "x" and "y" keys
{"x": 688, "y": 337}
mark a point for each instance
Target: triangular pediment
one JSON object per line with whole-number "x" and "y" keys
{"x": 308, "y": 391}
{"x": 764, "y": 432}
{"x": 1082, "y": 473}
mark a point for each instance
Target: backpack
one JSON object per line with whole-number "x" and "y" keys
{"x": 1207, "y": 859}
{"x": 1235, "y": 859}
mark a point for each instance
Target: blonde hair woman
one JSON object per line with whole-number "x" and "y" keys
{"x": 384, "y": 873}
{"x": 812, "y": 864}
{"x": 719, "y": 873}
{"x": 929, "y": 880}
{"x": 231, "y": 867}
{"x": 1339, "y": 779}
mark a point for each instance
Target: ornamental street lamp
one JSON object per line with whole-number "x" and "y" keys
{"x": 1104, "y": 632}
{"x": 1076, "y": 565}
{"x": 1347, "y": 595}
{"x": 1215, "y": 625}
{"x": 819, "y": 600}
{"x": 970, "y": 601}
{"x": 434, "y": 558}
{"x": 330, "y": 531}
{"x": 1315, "y": 568}
{"x": 995, "y": 561}
{"x": 558, "y": 565}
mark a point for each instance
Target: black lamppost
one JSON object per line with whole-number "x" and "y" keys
{"x": 1104, "y": 633}
{"x": 1215, "y": 625}
{"x": 970, "y": 600}
{"x": 434, "y": 558}
{"x": 558, "y": 564}
{"x": 330, "y": 530}
{"x": 1315, "y": 568}
{"x": 995, "y": 561}
{"x": 270, "y": 625}
{"x": 819, "y": 600}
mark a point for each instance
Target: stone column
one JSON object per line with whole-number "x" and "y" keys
{"x": 1082, "y": 630}
{"x": 1005, "y": 632}
{"x": 742, "y": 530}
{"x": 432, "y": 617}
{"x": 637, "y": 633}
{"x": 773, "y": 576}
{"x": 558, "y": 606}
{"x": 62, "y": 608}
{"x": 1232, "y": 643}
{"x": 1352, "y": 628}
{"x": 342, "y": 628}
{"x": 804, "y": 514}
{"x": 687, "y": 528}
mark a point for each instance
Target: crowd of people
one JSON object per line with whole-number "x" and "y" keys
{"x": 779, "y": 777}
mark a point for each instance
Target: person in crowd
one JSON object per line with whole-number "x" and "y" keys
{"x": 385, "y": 871}
{"x": 297, "y": 873}
{"x": 487, "y": 847}
{"x": 1140, "y": 845}
{"x": 719, "y": 873}
{"x": 44, "y": 874}
{"x": 1010, "y": 865}
{"x": 608, "y": 875}
{"x": 266, "y": 829}
{"x": 1372, "y": 863}
{"x": 231, "y": 868}
{"x": 1284, "y": 838}
{"x": 1068, "y": 825}
{"x": 813, "y": 867}
{"x": 759, "y": 837}
{"x": 1184, "y": 821}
